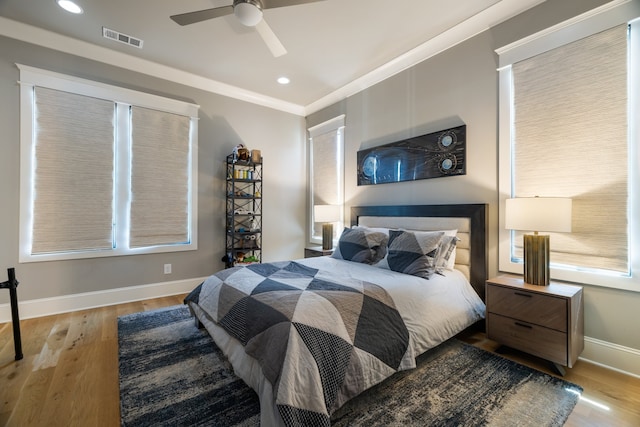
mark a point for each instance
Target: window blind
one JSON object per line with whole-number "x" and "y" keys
{"x": 74, "y": 173}
{"x": 571, "y": 140}
{"x": 326, "y": 158}
{"x": 159, "y": 212}
{"x": 327, "y": 168}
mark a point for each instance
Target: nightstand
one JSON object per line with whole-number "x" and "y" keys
{"x": 313, "y": 251}
{"x": 546, "y": 321}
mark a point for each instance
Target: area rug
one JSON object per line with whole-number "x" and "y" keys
{"x": 171, "y": 373}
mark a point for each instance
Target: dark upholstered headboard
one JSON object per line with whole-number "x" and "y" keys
{"x": 469, "y": 219}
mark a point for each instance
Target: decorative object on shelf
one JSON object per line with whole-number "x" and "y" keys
{"x": 327, "y": 215}
{"x": 432, "y": 155}
{"x": 549, "y": 214}
{"x": 256, "y": 156}
{"x": 240, "y": 153}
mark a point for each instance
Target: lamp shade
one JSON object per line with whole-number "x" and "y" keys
{"x": 326, "y": 213}
{"x": 550, "y": 214}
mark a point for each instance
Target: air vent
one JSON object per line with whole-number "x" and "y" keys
{"x": 122, "y": 38}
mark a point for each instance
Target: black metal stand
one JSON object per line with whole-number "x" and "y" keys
{"x": 12, "y": 285}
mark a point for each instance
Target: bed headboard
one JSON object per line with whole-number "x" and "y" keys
{"x": 470, "y": 220}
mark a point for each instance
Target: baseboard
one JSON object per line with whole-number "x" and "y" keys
{"x": 67, "y": 303}
{"x": 613, "y": 356}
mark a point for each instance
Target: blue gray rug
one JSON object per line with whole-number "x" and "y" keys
{"x": 171, "y": 373}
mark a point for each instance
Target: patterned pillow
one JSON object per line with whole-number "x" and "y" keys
{"x": 361, "y": 245}
{"x": 447, "y": 255}
{"x": 413, "y": 253}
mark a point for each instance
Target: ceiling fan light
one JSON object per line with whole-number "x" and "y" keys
{"x": 248, "y": 13}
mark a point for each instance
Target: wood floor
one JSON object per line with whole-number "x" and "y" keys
{"x": 69, "y": 374}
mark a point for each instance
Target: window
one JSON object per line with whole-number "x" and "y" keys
{"x": 105, "y": 171}
{"x": 326, "y": 171}
{"x": 566, "y": 102}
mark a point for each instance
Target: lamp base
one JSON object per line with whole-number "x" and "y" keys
{"x": 327, "y": 236}
{"x": 536, "y": 259}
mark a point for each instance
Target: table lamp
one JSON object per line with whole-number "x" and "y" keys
{"x": 327, "y": 215}
{"x": 549, "y": 214}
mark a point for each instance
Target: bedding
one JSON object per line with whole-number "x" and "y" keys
{"x": 446, "y": 256}
{"x": 413, "y": 253}
{"x": 361, "y": 245}
{"x": 310, "y": 334}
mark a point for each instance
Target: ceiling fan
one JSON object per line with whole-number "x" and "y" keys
{"x": 248, "y": 13}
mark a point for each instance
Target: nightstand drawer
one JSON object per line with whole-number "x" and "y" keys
{"x": 537, "y": 340}
{"x": 530, "y": 307}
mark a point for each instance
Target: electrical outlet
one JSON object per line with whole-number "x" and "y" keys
{"x": 167, "y": 269}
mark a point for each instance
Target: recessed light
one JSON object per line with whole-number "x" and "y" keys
{"x": 283, "y": 80}
{"x": 69, "y": 6}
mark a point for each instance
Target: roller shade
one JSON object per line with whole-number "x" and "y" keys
{"x": 571, "y": 140}
{"x": 74, "y": 174}
{"x": 159, "y": 212}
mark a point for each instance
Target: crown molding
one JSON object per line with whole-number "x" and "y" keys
{"x": 38, "y": 36}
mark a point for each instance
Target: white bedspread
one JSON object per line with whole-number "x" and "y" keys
{"x": 433, "y": 311}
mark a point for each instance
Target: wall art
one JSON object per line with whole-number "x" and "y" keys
{"x": 427, "y": 156}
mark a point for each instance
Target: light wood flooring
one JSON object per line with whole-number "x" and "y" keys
{"x": 69, "y": 374}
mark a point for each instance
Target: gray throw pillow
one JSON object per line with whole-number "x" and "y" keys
{"x": 361, "y": 245}
{"x": 413, "y": 253}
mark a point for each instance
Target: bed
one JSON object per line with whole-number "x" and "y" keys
{"x": 309, "y": 334}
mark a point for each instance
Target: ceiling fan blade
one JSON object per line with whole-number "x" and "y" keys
{"x": 270, "y": 4}
{"x": 270, "y": 38}
{"x": 202, "y": 15}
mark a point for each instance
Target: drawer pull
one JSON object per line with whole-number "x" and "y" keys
{"x": 523, "y": 325}
{"x": 522, "y": 294}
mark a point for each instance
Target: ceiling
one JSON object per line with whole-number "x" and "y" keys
{"x": 335, "y": 47}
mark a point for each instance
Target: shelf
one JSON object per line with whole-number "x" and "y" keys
{"x": 243, "y": 211}
{"x": 244, "y": 180}
{"x": 243, "y": 163}
{"x": 239, "y": 162}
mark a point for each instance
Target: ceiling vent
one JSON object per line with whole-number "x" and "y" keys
{"x": 122, "y": 38}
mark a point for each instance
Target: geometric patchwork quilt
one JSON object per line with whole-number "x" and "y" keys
{"x": 320, "y": 339}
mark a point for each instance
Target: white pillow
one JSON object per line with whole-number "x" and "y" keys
{"x": 447, "y": 256}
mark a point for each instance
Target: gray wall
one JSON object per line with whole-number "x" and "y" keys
{"x": 460, "y": 86}
{"x": 223, "y": 123}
